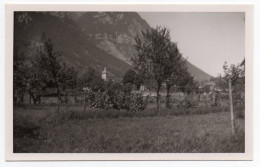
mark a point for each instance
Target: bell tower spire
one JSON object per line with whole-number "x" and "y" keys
{"x": 104, "y": 74}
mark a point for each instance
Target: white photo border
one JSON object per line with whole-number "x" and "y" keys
{"x": 248, "y": 155}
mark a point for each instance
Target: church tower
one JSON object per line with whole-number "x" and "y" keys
{"x": 104, "y": 74}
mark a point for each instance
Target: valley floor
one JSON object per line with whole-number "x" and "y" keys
{"x": 37, "y": 130}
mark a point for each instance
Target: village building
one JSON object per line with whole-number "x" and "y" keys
{"x": 104, "y": 74}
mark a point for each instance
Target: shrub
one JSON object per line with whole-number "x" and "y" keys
{"x": 188, "y": 102}
{"x": 120, "y": 101}
{"x": 89, "y": 97}
{"x": 136, "y": 102}
{"x": 106, "y": 100}
{"x": 111, "y": 100}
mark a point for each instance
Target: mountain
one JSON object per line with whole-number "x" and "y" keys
{"x": 95, "y": 39}
{"x": 197, "y": 73}
{"x": 114, "y": 32}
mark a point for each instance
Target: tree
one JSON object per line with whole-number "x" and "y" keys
{"x": 113, "y": 88}
{"x": 127, "y": 88}
{"x": 35, "y": 83}
{"x": 93, "y": 80}
{"x": 26, "y": 73}
{"x": 232, "y": 74}
{"x": 220, "y": 83}
{"x": 180, "y": 77}
{"x": 68, "y": 80}
{"x": 53, "y": 72}
{"x": 190, "y": 85}
{"x": 89, "y": 75}
{"x": 131, "y": 76}
{"x": 71, "y": 77}
{"x": 20, "y": 70}
{"x": 156, "y": 57}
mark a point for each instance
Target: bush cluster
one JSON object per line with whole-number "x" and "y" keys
{"x": 188, "y": 102}
{"x": 107, "y": 100}
{"x": 136, "y": 102}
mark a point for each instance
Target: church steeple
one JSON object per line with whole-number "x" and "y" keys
{"x": 104, "y": 74}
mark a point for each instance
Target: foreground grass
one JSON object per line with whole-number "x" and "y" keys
{"x": 42, "y": 129}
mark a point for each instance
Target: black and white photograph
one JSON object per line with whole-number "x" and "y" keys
{"x": 129, "y": 82}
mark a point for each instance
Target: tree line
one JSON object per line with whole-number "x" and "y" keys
{"x": 158, "y": 61}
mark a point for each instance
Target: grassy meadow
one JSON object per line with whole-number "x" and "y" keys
{"x": 42, "y": 129}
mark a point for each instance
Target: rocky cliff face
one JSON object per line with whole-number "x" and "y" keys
{"x": 95, "y": 39}
{"x": 113, "y": 32}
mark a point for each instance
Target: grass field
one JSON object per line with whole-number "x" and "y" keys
{"x": 42, "y": 129}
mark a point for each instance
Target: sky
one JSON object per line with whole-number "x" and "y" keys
{"x": 206, "y": 39}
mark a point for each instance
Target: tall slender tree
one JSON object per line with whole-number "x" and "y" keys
{"x": 156, "y": 57}
{"x": 231, "y": 75}
{"x": 54, "y": 72}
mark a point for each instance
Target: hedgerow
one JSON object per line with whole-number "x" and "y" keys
{"x": 107, "y": 100}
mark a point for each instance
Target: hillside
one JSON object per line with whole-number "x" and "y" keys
{"x": 198, "y": 74}
{"x": 95, "y": 39}
{"x": 113, "y": 32}
{"x": 77, "y": 49}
